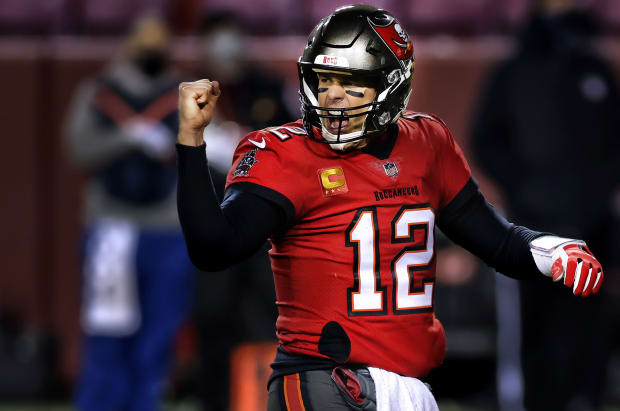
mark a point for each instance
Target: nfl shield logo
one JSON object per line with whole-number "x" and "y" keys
{"x": 390, "y": 169}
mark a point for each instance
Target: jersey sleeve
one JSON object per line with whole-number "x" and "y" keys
{"x": 261, "y": 165}
{"x": 454, "y": 171}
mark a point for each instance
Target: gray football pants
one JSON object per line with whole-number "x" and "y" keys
{"x": 323, "y": 390}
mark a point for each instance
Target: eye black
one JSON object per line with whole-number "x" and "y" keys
{"x": 354, "y": 93}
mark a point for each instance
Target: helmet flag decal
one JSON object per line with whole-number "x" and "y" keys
{"x": 395, "y": 37}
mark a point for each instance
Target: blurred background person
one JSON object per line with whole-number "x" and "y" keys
{"x": 237, "y": 305}
{"x": 136, "y": 291}
{"x": 546, "y": 132}
{"x": 465, "y": 304}
{"x": 255, "y": 98}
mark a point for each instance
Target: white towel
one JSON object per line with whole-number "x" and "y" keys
{"x": 110, "y": 305}
{"x": 398, "y": 393}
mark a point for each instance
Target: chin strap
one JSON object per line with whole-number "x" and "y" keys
{"x": 340, "y": 146}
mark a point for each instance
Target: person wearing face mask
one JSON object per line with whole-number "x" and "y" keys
{"x": 546, "y": 132}
{"x": 237, "y": 302}
{"x": 137, "y": 275}
{"x": 256, "y": 97}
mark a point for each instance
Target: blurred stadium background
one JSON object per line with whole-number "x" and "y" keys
{"x": 48, "y": 46}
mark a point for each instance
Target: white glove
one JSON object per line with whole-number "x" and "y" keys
{"x": 569, "y": 260}
{"x": 153, "y": 138}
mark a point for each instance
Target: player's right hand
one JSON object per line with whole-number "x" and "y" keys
{"x": 197, "y": 100}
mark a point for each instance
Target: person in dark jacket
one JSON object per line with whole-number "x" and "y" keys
{"x": 137, "y": 274}
{"x": 237, "y": 302}
{"x": 546, "y": 132}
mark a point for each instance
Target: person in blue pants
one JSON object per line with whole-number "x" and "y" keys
{"x": 129, "y": 372}
{"x": 137, "y": 277}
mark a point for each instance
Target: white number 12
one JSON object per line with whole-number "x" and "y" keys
{"x": 368, "y": 296}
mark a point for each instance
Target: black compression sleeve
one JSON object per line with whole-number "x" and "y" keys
{"x": 471, "y": 222}
{"x": 218, "y": 236}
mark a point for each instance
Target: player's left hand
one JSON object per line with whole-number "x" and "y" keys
{"x": 575, "y": 265}
{"x": 569, "y": 261}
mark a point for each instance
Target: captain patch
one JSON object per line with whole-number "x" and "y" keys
{"x": 245, "y": 164}
{"x": 332, "y": 181}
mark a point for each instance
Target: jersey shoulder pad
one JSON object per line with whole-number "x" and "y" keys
{"x": 273, "y": 138}
{"x": 416, "y": 116}
{"x": 287, "y": 131}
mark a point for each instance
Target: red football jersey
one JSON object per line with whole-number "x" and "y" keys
{"x": 360, "y": 251}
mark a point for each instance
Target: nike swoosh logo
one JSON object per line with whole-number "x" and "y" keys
{"x": 262, "y": 143}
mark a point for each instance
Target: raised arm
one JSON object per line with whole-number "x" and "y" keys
{"x": 217, "y": 236}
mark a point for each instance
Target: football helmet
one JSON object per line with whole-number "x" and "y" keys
{"x": 365, "y": 42}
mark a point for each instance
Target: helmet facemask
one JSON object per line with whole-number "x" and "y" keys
{"x": 337, "y": 125}
{"x": 377, "y": 114}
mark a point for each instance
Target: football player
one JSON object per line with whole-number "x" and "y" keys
{"x": 349, "y": 197}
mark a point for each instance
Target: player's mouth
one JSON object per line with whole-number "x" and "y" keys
{"x": 337, "y": 125}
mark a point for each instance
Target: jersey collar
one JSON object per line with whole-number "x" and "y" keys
{"x": 383, "y": 147}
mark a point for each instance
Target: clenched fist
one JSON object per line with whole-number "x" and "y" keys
{"x": 197, "y": 101}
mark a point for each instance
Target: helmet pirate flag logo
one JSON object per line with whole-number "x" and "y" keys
{"x": 395, "y": 37}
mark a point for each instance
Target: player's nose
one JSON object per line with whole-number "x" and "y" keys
{"x": 336, "y": 89}
{"x": 335, "y": 93}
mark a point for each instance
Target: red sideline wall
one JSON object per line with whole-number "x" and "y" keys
{"x": 40, "y": 203}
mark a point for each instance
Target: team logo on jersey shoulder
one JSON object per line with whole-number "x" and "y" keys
{"x": 332, "y": 181}
{"x": 245, "y": 164}
{"x": 390, "y": 168}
